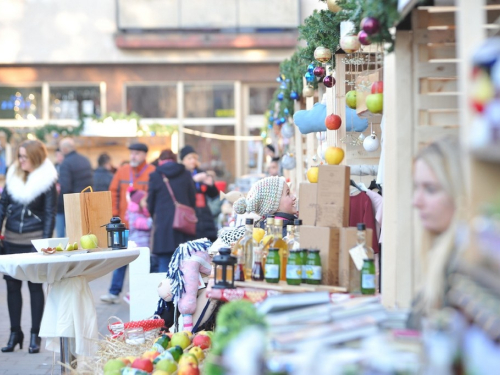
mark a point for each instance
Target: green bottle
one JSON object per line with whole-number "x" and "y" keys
{"x": 303, "y": 255}
{"x": 368, "y": 272}
{"x": 294, "y": 268}
{"x": 273, "y": 265}
{"x": 313, "y": 267}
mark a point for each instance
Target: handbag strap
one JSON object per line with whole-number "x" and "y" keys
{"x": 165, "y": 179}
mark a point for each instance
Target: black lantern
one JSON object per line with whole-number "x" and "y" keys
{"x": 224, "y": 269}
{"x": 116, "y": 234}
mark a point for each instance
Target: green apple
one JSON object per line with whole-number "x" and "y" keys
{"x": 181, "y": 339}
{"x": 350, "y": 99}
{"x": 166, "y": 365}
{"x": 88, "y": 241}
{"x": 75, "y": 246}
{"x": 59, "y": 247}
{"x": 375, "y": 103}
{"x": 113, "y": 365}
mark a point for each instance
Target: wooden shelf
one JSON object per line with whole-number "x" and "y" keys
{"x": 283, "y": 287}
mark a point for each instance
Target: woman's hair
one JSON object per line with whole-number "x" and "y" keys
{"x": 444, "y": 158}
{"x": 167, "y": 155}
{"x": 36, "y": 154}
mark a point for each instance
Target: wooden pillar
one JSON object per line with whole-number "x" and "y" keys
{"x": 180, "y": 114}
{"x": 397, "y": 253}
{"x": 238, "y": 131}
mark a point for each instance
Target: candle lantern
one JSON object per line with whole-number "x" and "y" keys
{"x": 224, "y": 269}
{"x": 117, "y": 234}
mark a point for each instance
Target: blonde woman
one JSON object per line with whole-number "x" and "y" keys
{"x": 440, "y": 198}
{"x": 28, "y": 204}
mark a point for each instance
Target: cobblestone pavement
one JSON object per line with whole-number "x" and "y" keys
{"x": 21, "y": 362}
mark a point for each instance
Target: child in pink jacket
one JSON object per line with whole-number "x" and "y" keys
{"x": 140, "y": 222}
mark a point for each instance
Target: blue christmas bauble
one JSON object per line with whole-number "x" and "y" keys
{"x": 281, "y": 96}
{"x": 286, "y": 111}
{"x": 294, "y": 95}
{"x": 310, "y": 68}
{"x": 309, "y": 77}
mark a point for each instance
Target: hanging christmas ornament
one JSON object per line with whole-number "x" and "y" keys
{"x": 294, "y": 95}
{"x": 308, "y": 91}
{"x": 288, "y": 162}
{"x": 282, "y": 120}
{"x": 329, "y": 81}
{"x": 280, "y": 96}
{"x": 332, "y": 6}
{"x": 333, "y": 122}
{"x": 351, "y": 99}
{"x": 270, "y": 126}
{"x": 319, "y": 72}
{"x": 321, "y": 150}
{"x": 309, "y": 77}
{"x": 350, "y": 43}
{"x": 361, "y": 137}
{"x": 370, "y": 25}
{"x": 363, "y": 38}
{"x": 310, "y": 68}
{"x": 287, "y": 131}
{"x": 322, "y": 54}
{"x": 371, "y": 143}
{"x": 321, "y": 136}
{"x": 280, "y": 78}
{"x": 271, "y": 118}
{"x": 286, "y": 111}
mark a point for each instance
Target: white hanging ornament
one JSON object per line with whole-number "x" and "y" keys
{"x": 361, "y": 137}
{"x": 321, "y": 150}
{"x": 321, "y": 136}
{"x": 371, "y": 143}
{"x": 323, "y": 54}
{"x": 288, "y": 161}
{"x": 287, "y": 131}
{"x": 350, "y": 43}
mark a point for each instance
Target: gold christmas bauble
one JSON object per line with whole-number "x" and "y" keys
{"x": 322, "y": 54}
{"x": 350, "y": 43}
{"x": 332, "y": 6}
{"x": 308, "y": 91}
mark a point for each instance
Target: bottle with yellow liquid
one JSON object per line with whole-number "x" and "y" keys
{"x": 267, "y": 240}
{"x": 247, "y": 245}
{"x": 280, "y": 244}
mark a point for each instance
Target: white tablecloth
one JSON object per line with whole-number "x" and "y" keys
{"x": 69, "y": 309}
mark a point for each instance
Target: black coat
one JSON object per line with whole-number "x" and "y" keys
{"x": 30, "y": 206}
{"x": 102, "y": 179}
{"x": 75, "y": 174}
{"x": 206, "y": 226}
{"x": 161, "y": 206}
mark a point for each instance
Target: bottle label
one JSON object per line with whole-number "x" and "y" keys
{"x": 368, "y": 281}
{"x": 272, "y": 271}
{"x": 293, "y": 272}
{"x": 304, "y": 274}
{"x": 313, "y": 272}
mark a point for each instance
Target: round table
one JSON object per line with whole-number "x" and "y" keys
{"x": 69, "y": 309}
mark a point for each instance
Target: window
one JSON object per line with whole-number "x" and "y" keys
{"x": 20, "y": 103}
{"x": 72, "y": 102}
{"x": 259, "y": 100}
{"x": 208, "y": 100}
{"x": 215, "y": 154}
{"x": 152, "y": 101}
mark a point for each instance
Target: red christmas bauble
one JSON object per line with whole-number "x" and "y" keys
{"x": 319, "y": 71}
{"x": 363, "y": 38}
{"x": 329, "y": 81}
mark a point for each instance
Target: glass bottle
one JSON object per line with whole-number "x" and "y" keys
{"x": 273, "y": 266}
{"x": 368, "y": 272}
{"x": 290, "y": 235}
{"x": 257, "y": 270}
{"x": 281, "y": 245}
{"x": 296, "y": 232}
{"x": 247, "y": 245}
{"x": 239, "y": 270}
{"x": 294, "y": 268}
{"x": 267, "y": 240}
{"x": 313, "y": 267}
{"x": 303, "y": 255}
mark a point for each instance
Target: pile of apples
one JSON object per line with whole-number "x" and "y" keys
{"x": 374, "y": 101}
{"x": 182, "y": 356}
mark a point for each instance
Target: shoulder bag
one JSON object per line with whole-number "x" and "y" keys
{"x": 184, "y": 217}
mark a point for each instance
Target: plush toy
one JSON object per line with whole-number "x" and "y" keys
{"x": 189, "y": 261}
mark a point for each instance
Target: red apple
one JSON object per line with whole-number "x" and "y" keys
{"x": 333, "y": 122}
{"x": 375, "y": 103}
{"x": 202, "y": 341}
{"x": 378, "y": 87}
{"x": 143, "y": 364}
{"x": 188, "y": 369}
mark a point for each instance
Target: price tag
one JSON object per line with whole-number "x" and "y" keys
{"x": 358, "y": 255}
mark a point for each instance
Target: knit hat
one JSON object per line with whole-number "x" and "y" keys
{"x": 186, "y": 150}
{"x": 263, "y": 198}
{"x": 137, "y": 195}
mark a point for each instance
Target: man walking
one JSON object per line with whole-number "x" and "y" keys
{"x": 129, "y": 177}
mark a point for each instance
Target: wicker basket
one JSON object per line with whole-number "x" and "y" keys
{"x": 150, "y": 326}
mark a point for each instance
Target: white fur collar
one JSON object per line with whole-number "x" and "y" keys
{"x": 38, "y": 182}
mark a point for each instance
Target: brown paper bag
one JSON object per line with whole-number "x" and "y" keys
{"x": 364, "y": 83}
{"x": 87, "y": 212}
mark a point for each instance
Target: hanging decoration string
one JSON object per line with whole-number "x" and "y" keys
{"x": 222, "y": 137}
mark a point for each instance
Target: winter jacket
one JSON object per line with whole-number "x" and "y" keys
{"x": 206, "y": 225}
{"x": 121, "y": 183}
{"x": 30, "y": 206}
{"x": 75, "y": 174}
{"x": 102, "y": 179}
{"x": 162, "y": 209}
{"x": 140, "y": 224}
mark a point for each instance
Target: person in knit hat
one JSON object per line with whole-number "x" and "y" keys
{"x": 269, "y": 196}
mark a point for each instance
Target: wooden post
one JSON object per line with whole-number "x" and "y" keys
{"x": 238, "y": 131}
{"x": 397, "y": 256}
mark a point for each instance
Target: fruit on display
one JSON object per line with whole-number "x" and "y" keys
{"x": 375, "y": 103}
{"x": 188, "y": 358}
{"x": 75, "y": 245}
{"x": 334, "y": 155}
{"x": 181, "y": 339}
{"x": 378, "y": 87}
{"x": 151, "y": 355}
{"x": 333, "y": 122}
{"x": 89, "y": 241}
{"x": 350, "y": 99}
{"x": 161, "y": 372}
{"x": 258, "y": 235}
{"x": 198, "y": 353}
{"x": 312, "y": 174}
{"x": 59, "y": 247}
{"x": 126, "y": 361}
{"x": 176, "y": 352}
{"x": 166, "y": 365}
{"x": 143, "y": 364}
{"x": 189, "y": 370}
{"x": 113, "y": 365}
